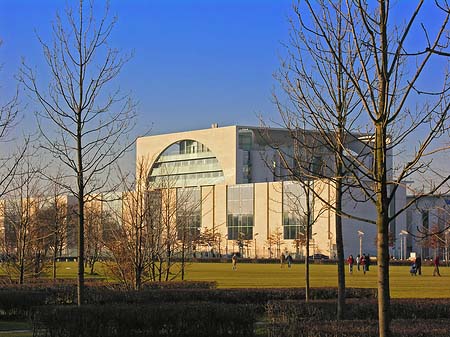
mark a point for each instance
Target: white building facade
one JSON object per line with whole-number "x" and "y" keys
{"x": 245, "y": 191}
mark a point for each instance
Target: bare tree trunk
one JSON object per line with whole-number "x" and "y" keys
{"x": 80, "y": 279}
{"x": 382, "y": 202}
{"x": 308, "y": 233}
{"x": 340, "y": 251}
{"x": 55, "y": 253}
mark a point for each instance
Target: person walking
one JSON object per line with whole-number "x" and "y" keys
{"x": 358, "y": 261}
{"x": 436, "y": 266}
{"x": 350, "y": 262}
{"x": 282, "y": 260}
{"x": 363, "y": 263}
{"x": 367, "y": 262}
{"x": 289, "y": 260}
{"x": 418, "y": 263}
{"x": 234, "y": 261}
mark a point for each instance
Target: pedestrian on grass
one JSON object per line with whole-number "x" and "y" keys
{"x": 350, "y": 262}
{"x": 367, "y": 262}
{"x": 418, "y": 263}
{"x": 363, "y": 263}
{"x": 358, "y": 261}
{"x": 282, "y": 260}
{"x": 289, "y": 260}
{"x": 234, "y": 261}
{"x": 436, "y": 266}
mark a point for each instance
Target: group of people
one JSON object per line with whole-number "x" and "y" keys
{"x": 283, "y": 259}
{"x": 416, "y": 267}
{"x": 361, "y": 261}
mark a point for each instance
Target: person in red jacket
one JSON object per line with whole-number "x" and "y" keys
{"x": 350, "y": 262}
{"x": 436, "y": 266}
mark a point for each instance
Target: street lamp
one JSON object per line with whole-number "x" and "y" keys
{"x": 447, "y": 232}
{"x": 403, "y": 235}
{"x": 361, "y": 235}
{"x": 254, "y": 236}
{"x": 226, "y": 244}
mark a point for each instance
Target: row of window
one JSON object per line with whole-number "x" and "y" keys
{"x": 240, "y": 212}
{"x": 179, "y": 178}
{"x": 191, "y": 162}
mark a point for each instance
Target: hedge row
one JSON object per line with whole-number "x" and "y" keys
{"x": 358, "y": 328}
{"x": 189, "y": 319}
{"x": 291, "y": 312}
{"x": 18, "y": 302}
{"x": 219, "y": 319}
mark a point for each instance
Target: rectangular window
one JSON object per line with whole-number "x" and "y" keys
{"x": 188, "y": 212}
{"x": 295, "y": 210}
{"x": 240, "y": 213}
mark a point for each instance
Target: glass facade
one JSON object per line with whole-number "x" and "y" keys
{"x": 294, "y": 210}
{"x": 246, "y": 144}
{"x": 189, "y": 216}
{"x": 186, "y": 163}
{"x": 240, "y": 212}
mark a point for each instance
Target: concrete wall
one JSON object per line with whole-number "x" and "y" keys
{"x": 221, "y": 141}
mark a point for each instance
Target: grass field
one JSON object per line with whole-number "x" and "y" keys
{"x": 251, "y": 275}
{"x": 272, "y": 276}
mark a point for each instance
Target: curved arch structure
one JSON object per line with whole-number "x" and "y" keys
{"x": 184, "y": 163}
{"x": 193, "y": 158}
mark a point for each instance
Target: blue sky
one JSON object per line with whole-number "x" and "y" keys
{"x": 195, "y": 62}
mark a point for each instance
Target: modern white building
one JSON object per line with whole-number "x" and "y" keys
{"x": 428, "y": 215}
{"x": 245, "y": 191}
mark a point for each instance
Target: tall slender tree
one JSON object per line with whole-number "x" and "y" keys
{"x": 320, "y": 97}
{"x": 385, "y": 80}
{"x": 90, "y": 118}
{"x": 9, "y": 110}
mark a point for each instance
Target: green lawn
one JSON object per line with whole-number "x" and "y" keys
{"x": 271, "y": 275}
{"x": 15, "y": 329}
{"x": 250, "y": 275}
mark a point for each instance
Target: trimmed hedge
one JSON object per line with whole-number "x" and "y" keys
{"x": 423, "y": 317}
{"x": 325, "y": 310}
{"x": 189, "y": 319}
{"x": 358, "y": 328}
{"x": 19, "y": 301}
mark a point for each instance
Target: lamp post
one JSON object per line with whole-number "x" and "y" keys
{"x": 361, "y": 235}
{"x": 403, "y": 235}
{"x": 254, "y": 236}
{"x": 446, "y": 249}
{"x": 226, "y": 244}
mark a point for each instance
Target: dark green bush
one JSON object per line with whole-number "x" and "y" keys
{"x": 325, "y": 310}
{"x": 358, "y": 328}
{"x": 18, "y": 301}
{"x": 187, "y": 319}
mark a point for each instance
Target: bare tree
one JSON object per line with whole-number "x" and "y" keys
{"x": 53, "y": 219}
{"x": 9, "y": 110}
{"x": 384, "y": 80}
{"x": 302, "y": 211}
{"x": 188, "y": 222}
{"x": 134, "y": 239}
{"x": 320, "y": 97}
{"x": 94, "y": 218}
{"x": 90, "y": 120}
{"x": 23, "y": 247}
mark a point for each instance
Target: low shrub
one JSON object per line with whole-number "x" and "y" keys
{"x": 358, "y": 328}
{"x": 324, "y": 310}
{"x": 18, "y": 301}
{"x": 187, "y": 319}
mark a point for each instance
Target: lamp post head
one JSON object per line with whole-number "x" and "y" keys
{"x": 360, "y": 233}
